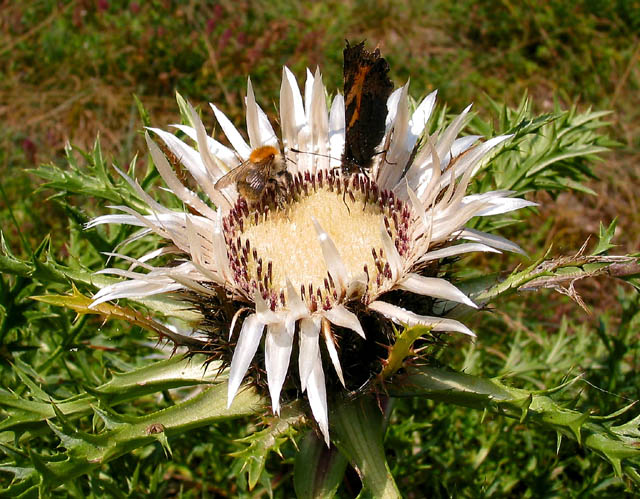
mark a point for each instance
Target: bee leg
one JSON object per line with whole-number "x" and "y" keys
{"x": 281, "y": 199}
{"x": 288, "y": 178}
{"x": 273, "y": 194}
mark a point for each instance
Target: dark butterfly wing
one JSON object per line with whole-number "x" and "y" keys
{"x": 366, "y": 90}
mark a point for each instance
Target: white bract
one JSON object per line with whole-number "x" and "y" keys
{"x": 338, "y": 240}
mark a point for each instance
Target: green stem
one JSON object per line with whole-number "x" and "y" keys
{"x": 357, "y": 427}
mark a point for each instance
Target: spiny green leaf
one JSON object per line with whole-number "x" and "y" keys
{"x": 164, "y": 375}
{"x": 27, "y": 374}
{"x": 185, "y": 113}
{"x": 91, "y": 179}
{"x": 154, "y": 378}
{"x": 279, "y": 430}
{"x": 84, "y": 305}
{"x": 615, "y": 443}
{"x": 556, "y": 273}
{"x": 111, "y": 419}
{"x": 401, "y": 349}
{"x": 552, "y": 152}
{"x": 606, "y": 235}
{"x": 72, "y": 439}
{"x": 144, "y": 115}
{"x": 87, "y": 452}
{"x": 9, "y": 264}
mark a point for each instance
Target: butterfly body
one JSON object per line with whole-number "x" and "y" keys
{"x": 366, "y": 89}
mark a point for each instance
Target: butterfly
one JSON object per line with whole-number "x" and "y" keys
{"x": 366, "y": 89}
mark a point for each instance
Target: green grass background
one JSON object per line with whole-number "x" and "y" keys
{"x": 68, "y": 72}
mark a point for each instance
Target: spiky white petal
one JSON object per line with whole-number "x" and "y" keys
{"x": 139, "y": 287}
{"x": 264, "y": 312}
{"x": 336, "y": 131}
{"x": 397, "y": 154}
{"x": 253, "y": 123}
{"x": 152, "y": 203}
{"x": 461, "y": 145}
{"x": 392, "y": 108}
{"x": 492, "y": 240}
{"x": 277, "y": 352}
{"x": 189, "y": 197}
{"x": 451, "y": 132}
{"x": 308, "y": 95}
{"x": 333, "y": 354}
{"x": 297, "y": 308}
{"x": 187, "y": 156}
{"x": 219, "y": 252}
{"x": 228, "y": 157}
{"x": 471, "y": 158}
{"x": 319, "y": 120}
{"x": 248, "y": 342}
{"x": 292, "y": 116}
{"x": 212, "y": 165}
{"x": 455, "y": 250}
{"x": 400, "y": 315}
{"x": 236, "y": 140}
{"x": 317, "y": 393}
{"x": 420, "y": 117}
{"x": 433, "y": 286}
{"x": 393, "y": 257}
{"x": 309, "y": 354}
{"x": 332, "y": 258}
{"x": 340, "y": 316}
{"x": 499, "y": 204}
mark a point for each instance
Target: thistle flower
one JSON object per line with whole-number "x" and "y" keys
{"x": 318, "y": 255}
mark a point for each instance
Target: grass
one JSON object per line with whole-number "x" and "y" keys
{"x": 69, "y": 70}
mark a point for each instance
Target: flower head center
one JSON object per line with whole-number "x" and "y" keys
{"x": 272, "y": 243}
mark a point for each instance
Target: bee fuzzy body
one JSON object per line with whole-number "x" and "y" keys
{"x": 264, "y": 174}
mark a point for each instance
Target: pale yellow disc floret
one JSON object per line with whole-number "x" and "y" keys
{"x": 289, "y": 240}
